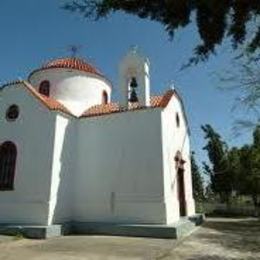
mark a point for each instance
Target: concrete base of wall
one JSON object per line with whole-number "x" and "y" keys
{"x": 36, "y": 232}
{"x": 177, "y": 230}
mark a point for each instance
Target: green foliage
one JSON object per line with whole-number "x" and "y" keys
{"x": 250, "y": 168}
{"x": 215, "y": 19}
{"x": 233, "y": 171}
{"x": 199, "y": 207}
{"x": 197, "y": 180}
{"x": 234, "y": 167}
{"x": 18, "y": 236}
{"x": 221, "y": 182}
{"x": 256, "y": 138}
{"x": 210, "y": 196}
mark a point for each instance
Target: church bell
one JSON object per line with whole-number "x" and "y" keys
{"x": 133, "y": 96}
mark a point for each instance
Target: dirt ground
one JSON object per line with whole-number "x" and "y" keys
{"x": 217, "y": 239}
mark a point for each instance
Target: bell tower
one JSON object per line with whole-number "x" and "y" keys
{"x": 134, "y": 79}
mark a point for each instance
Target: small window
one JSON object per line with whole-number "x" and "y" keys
{"x": 8, "y": 154}
{"x": 44, "y": 88}
{"x": 12, "y": 113}
{"x": 104, "y": 97}
{"x": 177, "y": 120}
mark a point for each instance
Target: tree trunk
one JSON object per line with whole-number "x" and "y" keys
{"x": 255, "y": 201}
{"x": 228, "y": 201}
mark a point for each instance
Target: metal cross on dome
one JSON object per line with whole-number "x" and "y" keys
{"x": 134, "y": 48}
{"x": 74, "y": 50}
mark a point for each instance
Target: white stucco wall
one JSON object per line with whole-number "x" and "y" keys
{"x": 77, "y": 90}
{"x": 112, "y": 168}
{"x": 175, "y": 139}
{"x": 64, "y": 170}
{"x": 33, "y": 134}
{"x": 120, "y": 169}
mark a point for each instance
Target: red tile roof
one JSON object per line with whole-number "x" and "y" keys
{"x": 97, "y": 110}
{"x": 70, "y": 63}
{"x": 50, "y": 103}
{"x": 104, "y": 109}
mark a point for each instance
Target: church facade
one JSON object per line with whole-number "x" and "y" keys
{"x": 68, "y": 153}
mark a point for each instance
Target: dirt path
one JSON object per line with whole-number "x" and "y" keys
{"x": 218, "y": 239}
{"x": 221, "y": 239}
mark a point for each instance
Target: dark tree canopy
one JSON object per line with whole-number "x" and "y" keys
{"x": 218, "y": 170}
{"x": 233, "y": 171}
{"x": 215, "y": 19}
{"x": 197, "y": 180}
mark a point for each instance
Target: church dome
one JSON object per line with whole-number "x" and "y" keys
{"x": 72, "y": 63}
{"x": 73, "y": 82}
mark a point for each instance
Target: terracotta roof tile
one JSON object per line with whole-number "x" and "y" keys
{"x": 72, "y": 63}
{"x": 97, "y": 110}
{"x": 69, "y": 63}
{"x": 166, "y": 98}
{"x": 50, "y": 103}
{"x": 102, "y": 109}
{"x": 156, "y": 101}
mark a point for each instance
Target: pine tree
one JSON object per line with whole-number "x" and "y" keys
{"x": 220, "y": 177}
{"x": 197, "y": 180}
{"x": 250, "y": 168}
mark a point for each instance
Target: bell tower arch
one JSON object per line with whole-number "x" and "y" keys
{"x": 134, "y": 79}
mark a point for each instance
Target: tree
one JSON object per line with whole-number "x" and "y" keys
{"x": 209, "y": 194}
{"x": 250, "y": 168}
{"x": 215, "y": 19}
{"x": 256, "y": 138}
{"x": 234, "y": 169}
{"x": 244, "y": 78}
{"x": 197, "y": 180}
{"x": 218, "y": 170}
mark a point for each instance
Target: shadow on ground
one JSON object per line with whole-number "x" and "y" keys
{"x": 217, "y": 239}
{"x": 215, "y": 257}
{"x": 240, "y": 234}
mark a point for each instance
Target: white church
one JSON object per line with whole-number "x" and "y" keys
{"x": 68, "y": 153}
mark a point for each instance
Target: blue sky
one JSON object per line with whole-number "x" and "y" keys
{"x": 32, "y": 32}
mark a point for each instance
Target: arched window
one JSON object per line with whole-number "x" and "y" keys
{"x": 44, "y": 88}
{"x": 177, "y": 120}
{"x": 104, "y": 97}
{"x": 12, "y": 113}
{"x": 8, "y": 153}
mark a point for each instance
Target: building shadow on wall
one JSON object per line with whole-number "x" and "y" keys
{"x": 65, "y": 191}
